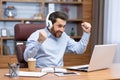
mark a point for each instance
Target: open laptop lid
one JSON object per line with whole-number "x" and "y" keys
{"x": 101, "y": 58}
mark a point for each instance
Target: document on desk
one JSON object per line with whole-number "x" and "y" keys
{"x": 55, "y": 69}
{"x": 30, "y": 74}
{"x": 59, "y": 71}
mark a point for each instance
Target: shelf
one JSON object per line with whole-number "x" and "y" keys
{"x": 75, "y": 37}
{"x": 7, "y": 45}
{"x": 8, "y": 55}
{"x": 59, "y": 2}
{"x": 7, "y": 38}
{"x": 63, "y": 2}
{"x": 28, "y": 19}
{"x": 19, "y": 19}
{"x": 22, "y": 1}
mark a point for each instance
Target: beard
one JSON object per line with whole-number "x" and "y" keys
{"x": 57, "y": 34}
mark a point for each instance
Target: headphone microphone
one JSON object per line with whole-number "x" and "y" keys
{"x": 49, "y": 22}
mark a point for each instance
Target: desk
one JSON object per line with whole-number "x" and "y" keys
{"x": 111, "y": 73}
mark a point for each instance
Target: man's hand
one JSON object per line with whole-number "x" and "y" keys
{"x": 86, "y": 27}
{"x": 42, "y": 36}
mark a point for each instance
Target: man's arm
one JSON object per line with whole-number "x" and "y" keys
{"x": 86, "y": 27}
{"x": 32, "y": 46}
{"x": 80, "y": 47}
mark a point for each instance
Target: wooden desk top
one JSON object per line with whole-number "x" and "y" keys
{"x": 107, "y": 74}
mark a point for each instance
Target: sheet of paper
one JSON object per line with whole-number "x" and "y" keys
{"x": 30, "y": 74}
{"x": 49, "y": 69}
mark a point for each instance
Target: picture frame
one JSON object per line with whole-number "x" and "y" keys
{"x": 3, "y": 32}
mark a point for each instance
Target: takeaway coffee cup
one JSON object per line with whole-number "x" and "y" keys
{"x": 32, "y": 64}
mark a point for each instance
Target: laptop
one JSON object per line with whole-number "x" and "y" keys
{"x": 102, "y": 58}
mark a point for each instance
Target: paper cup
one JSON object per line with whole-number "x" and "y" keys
{"x": 31, "y": 64}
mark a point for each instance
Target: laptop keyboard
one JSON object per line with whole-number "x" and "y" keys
{"x": 79, "y": 68}
{"x": 83, "y": 68}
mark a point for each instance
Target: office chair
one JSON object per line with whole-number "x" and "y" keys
{"x": 22, "y": 32}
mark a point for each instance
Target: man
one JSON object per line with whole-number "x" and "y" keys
{"x": 48, "y": 45}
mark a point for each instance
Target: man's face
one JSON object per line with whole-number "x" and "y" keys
{"x": 58, "y": 27}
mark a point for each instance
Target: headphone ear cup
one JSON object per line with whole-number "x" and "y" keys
{"x": 49, "y": 24}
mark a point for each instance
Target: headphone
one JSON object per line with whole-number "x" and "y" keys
{"x": 49, "y": 22}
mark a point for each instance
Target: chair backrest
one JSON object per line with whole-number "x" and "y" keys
{"x": 22, "y": 32}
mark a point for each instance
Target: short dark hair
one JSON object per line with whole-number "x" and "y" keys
{"x": 53, "y": 16}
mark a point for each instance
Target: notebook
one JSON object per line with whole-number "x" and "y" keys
{"x": 102, "y": 58}
{"x": 30, "y": 74}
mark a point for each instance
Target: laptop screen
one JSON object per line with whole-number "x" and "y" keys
{"x": 102, "y": 57}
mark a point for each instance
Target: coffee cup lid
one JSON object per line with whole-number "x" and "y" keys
{"x": 31, "y": 59}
